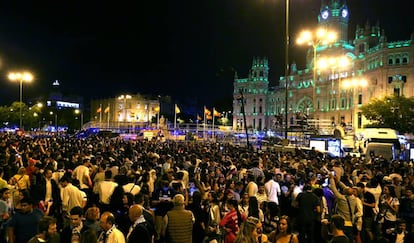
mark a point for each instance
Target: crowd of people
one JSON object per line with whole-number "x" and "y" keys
{"x": 57, "y": 188}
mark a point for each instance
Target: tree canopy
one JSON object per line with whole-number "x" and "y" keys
{"x": 396, "y": 112}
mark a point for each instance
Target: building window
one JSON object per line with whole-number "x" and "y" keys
{"x": 390, "y": 61}
{"x": 254, "y": 123}
{"x": 254, "y": 109}
{"x": 359, "y": 120}
{"x": 396, "y": 91}
{"x": 260, "y": 110}
{"x": 260, "y": 124}
{"x": 359, "y": 99}
{"x": 397, "y": 61}
{"x": 405, "y": 60}
{"x": 361, "y": 48}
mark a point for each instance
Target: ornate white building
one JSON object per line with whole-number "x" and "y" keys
{"x": 387, "y": 68}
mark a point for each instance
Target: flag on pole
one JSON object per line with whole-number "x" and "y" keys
{"x": 106, "y": 109}
{"x": 177, "y": 109}
{"x": 99, "y": 110}
{"x": 157, "y": 109}
{"x": 216, "y": 113}
{"x": 207, "y": 112}
{"x": 199, "y": 117}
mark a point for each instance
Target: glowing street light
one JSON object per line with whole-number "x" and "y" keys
{"x": 21, "y": 77}
{"x": 77, "y": 112}
{"x": 320, "y": 37}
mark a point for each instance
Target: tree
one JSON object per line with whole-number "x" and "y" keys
{"x": 396, "y": 112}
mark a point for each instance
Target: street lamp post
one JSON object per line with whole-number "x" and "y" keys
{"x": 79, "y": 112}
{"x": 56, "y": 120}
{"x": 320, "y": 37}
{"x": 21, "y": 77}
{"x": 286, "y": 67}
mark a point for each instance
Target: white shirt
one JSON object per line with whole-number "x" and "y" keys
{"x": 131, "y": 188}
{"x": 113, "y": 235}
{"x": 105, "y": 190}
{"x": 71, "y": 197}
{"x": 273, "y": 191}
{"x": 80, "y": 173}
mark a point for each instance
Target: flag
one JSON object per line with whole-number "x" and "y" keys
{"x": 177, "y": 109}
{"x": 216, "y": 113}
{"x": 106, "y": 109}
{"x": 157, "y": 109}
{"x": 207, "y": 112}
{"x": 209, "y": 117}
{"x": 199, "y": 117}
{"x": 99, "y": 110}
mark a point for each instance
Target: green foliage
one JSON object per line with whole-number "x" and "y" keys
{"x": 395, "y": 112}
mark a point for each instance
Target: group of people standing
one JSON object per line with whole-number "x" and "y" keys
{"x": 62, "y": 189}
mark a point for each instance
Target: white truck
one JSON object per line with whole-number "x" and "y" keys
{"x": 379, "y": 141}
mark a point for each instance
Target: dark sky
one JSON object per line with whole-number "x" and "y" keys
{"x": 178, "y": 48}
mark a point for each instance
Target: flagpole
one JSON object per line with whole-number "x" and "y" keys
{"x": 197, "y": 125}
{"x": 109, "y": 110}
{"x": 204, "y": 129}
{"x": 100, "y": 116}
{"x": 175, "y": 117}
{"x": 212, "y": 133}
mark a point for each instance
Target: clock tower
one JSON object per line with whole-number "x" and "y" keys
{"x": 334, "y": 16}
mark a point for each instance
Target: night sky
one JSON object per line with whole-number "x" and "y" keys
{"x": 186, "y": 49}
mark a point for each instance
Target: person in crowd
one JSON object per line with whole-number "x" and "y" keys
{"x": 82, "y": 174}
{"x": 248, "y": 231}
{"x": 243, "y": 206}
{"x": 139, "y": 231}
{"x": 231, "y": 221}
{"x": 272, "y": 188}
{"x": 346, "y": 205}
{"x": 178, "y": 222}
{"x": 47, "y": 231}
{"x": 406, "y": 209}
{"x": 254, "y": 209}
{"x": 110, "y": 233}
{"x": 92, "y": 216}
{"x": 71, "y": 196}
{"x": 105, "y": 189}
{"x": 73, "y": 232}
{"x": 24, "y": 224}
{"x": 368, "y": 202}
{"x": 48, "y": 194}
{"x": 284, "y": 233}
{"x": 21, "y": 180}
{"x": 271, "y": 217}
{"x": 147, "y": 212}
{"x": 4, "y": 212}
{"x": 337, "y": 229}
{"x": 389, "y": 206}
{"x": 199, "y": 217}
{"x": 309, "y": 208}
{"x": 88, "y": 236}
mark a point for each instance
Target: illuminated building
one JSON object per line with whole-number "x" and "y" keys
{"x": 386, "y": 68}
{"x": 124, "y": 112}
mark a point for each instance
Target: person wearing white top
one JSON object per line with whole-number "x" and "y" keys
{"x": 110, "y": 233}
{"x": 272, "y": 189}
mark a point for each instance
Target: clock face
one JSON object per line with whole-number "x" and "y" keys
{"x": 344, "y": 12}
{"x": 325, "y": 14}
